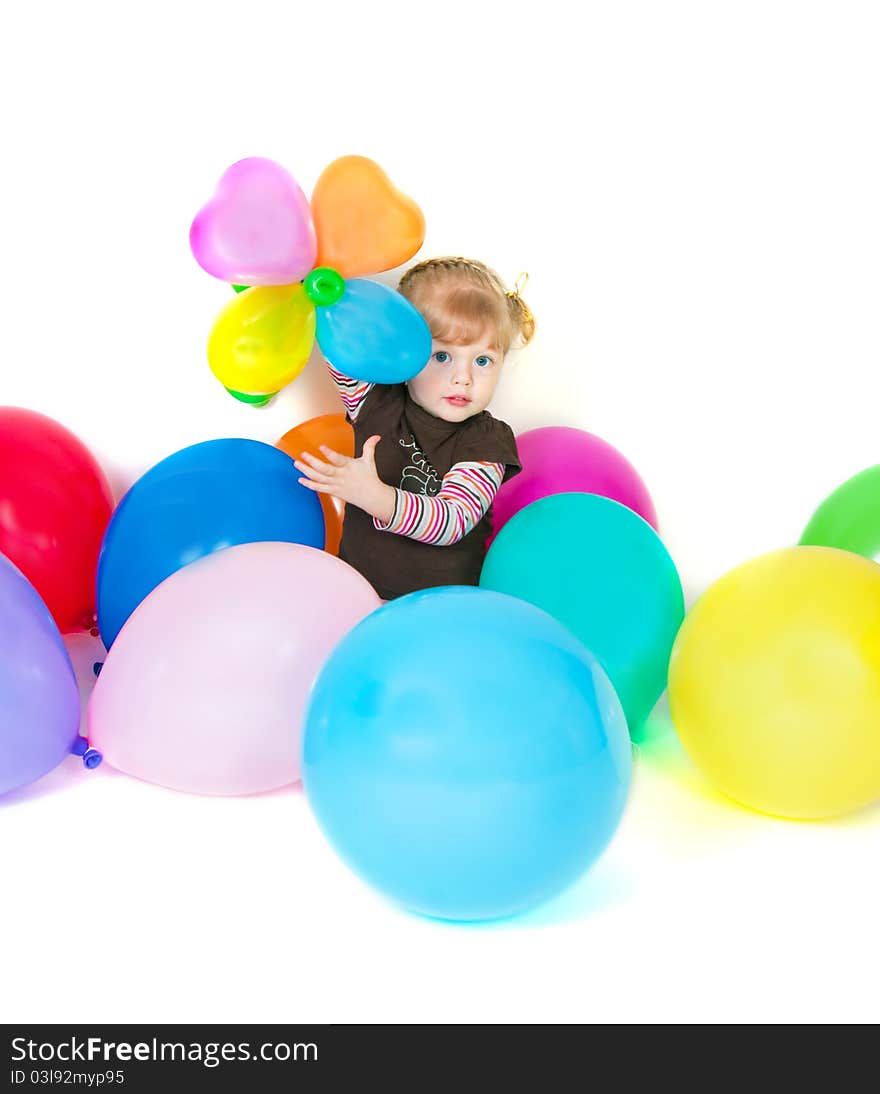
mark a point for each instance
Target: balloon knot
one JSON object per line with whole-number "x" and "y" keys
{"x": 324, "y": 286}
{"x": 92, "y": 758}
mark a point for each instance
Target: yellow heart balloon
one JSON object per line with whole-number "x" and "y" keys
{"x": 363, "y": 222}
{"x": 262, "y": 339}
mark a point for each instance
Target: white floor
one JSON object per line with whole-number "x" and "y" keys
{"x": 127, "y": 902}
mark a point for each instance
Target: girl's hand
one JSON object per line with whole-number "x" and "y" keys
{"x": 354, "y": 481}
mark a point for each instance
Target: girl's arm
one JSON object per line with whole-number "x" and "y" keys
{"x": 467, "y": 491}
{"x": 352, "y": 392}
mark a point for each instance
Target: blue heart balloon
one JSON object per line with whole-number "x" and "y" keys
{"x": 373, "y": 333}
{"x": 206, "y": 497}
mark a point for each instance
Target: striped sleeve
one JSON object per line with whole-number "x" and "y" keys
{"x": 467, "y": 491}
{"x": 352, "y": 392}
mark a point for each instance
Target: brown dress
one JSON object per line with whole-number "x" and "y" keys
{"x": 416, "y": 451}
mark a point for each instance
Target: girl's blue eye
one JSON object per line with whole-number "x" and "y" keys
{"x": 441, "y": 357}
{"x": 483, "y": 360}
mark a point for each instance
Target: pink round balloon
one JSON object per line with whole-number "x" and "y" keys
{"x": 206, "y": 685}
{"x": 257, "y": 229}
{"x": 557, "y": 459}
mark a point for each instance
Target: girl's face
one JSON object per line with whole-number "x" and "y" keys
{"x": 458, "y": 381}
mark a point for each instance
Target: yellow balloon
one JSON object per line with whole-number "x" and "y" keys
{"x": 774, "y": 683}
{"x": 262, "y": 339}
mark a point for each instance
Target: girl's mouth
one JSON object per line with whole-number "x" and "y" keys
{"x": 457, "y": 400}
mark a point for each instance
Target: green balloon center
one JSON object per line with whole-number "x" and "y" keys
{"x": 324, "y": 286}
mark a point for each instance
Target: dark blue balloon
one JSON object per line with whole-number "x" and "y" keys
{"x": 206, "y": 497}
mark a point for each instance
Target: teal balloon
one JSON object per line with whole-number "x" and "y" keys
{"x": 603, "y": 571}
{"x": 373, "y": 333}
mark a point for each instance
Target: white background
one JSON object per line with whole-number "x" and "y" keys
{"x": 695, "y": 191}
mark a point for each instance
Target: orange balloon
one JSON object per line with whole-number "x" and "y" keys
{"x": 363, "y": 222}
{"x": 335, "y": 432}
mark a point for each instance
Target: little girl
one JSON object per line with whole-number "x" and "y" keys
{"x": 418, "y": 507}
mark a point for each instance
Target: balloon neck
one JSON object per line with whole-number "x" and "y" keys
{"x": 89, "y": 622}
{"x": 252, "y": 400}
{"x": 324, "y": 286}
{"x": 91, "y": 757}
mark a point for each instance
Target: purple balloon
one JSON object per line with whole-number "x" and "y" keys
{"x": 557, "y": 459}
{"x": 39, "y": 696}
{"x": 257, "y": 229}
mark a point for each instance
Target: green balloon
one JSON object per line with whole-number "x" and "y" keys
{"x": 240, "y": 288}
{"x": 850, "y": 517}
{"x": 603, "y": 571}
{"x": 252, "y": 400}
{"x": 324, "y": 286}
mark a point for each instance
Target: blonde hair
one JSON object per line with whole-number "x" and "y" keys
{"x": 460, "y": 298}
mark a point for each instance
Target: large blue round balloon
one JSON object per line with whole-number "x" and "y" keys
{"x": 39, "y": 696}
{"x": 211, "y": 495}
{"x": 465, "y": 753}
{"x": 373, "y": 333}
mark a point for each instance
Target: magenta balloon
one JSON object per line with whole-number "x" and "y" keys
{"x": 39, "y": 697}
{"x": 257, "y": 229}
{"x": 557, "y": 459}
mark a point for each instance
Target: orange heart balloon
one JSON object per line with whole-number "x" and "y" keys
{"x": 334, "y": 431}
{"x": 363, "y": 222}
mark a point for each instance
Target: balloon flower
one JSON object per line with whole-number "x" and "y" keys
{"x": 301, "y": 264}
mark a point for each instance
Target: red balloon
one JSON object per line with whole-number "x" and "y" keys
{"x": 55, "y": 504}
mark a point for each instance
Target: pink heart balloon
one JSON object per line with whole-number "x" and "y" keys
{"x": 257, "y": 229}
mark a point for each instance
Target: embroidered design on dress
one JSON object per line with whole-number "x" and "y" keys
{"x": 418, "y": 476}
